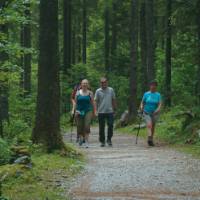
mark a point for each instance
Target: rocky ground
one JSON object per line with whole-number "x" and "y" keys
{"x": 129, "y": 171}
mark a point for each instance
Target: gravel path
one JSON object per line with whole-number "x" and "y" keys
{"x": 128, "y": 172}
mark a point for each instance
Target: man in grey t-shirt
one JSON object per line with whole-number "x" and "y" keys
{"x": 105, "y": 106}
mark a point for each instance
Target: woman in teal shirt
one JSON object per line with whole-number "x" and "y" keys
{"x": 150, "y": 106}
{"x": 85, "y": 110}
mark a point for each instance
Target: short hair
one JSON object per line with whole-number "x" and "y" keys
{"x": 85, "y": 81}
{"x": 103, "y": 79}
{"x": 153, "y": 82}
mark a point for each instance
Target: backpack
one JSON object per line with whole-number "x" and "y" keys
{"x": 77, "y": 87}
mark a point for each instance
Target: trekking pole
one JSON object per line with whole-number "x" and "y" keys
{"x": 140, "y": 114}
{"x": 72, "y": 124}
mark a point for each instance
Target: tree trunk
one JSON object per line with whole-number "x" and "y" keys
{"x": 150, "y": 39}
{"x": 79, "y": 43}
{"x": 79, "y": 49}
{"x": 74, "y": 45}
{"x": 22, "y": 59}
{"x": 47, "y": 124}
{"x": 134, "y": 59}
{"x": 198, "y": 55}
{"x": 168, "y": 57}
{"x": 163, "y": 24}
{"x": 67, "y": 36}
{"x": 84, "y": 52}
{"x": 4, "y": 108}
{"x": 1, "y": 112}
{"x": 143, "y": 46}
{"x": 107, "y": 39}
{"x": 27, "y": 56}
{"x": 114, "y": 33}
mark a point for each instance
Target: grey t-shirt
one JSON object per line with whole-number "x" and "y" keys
{"x": 104, "y": 98}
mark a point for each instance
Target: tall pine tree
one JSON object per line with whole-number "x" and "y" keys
{"x": 47, "y": 123}
{"x": 134, "y": 59}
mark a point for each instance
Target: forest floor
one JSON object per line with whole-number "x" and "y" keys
{"x": 129, "y": 171}
{"x": 47, "y": 179}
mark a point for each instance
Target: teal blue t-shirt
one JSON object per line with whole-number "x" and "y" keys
{"x": 151, "y": 101}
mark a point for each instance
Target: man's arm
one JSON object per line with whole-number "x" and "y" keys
{"x": 114, "y": 104}
{"x": 96, "y": 103}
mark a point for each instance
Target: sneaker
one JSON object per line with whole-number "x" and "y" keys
{"x": 109, "y": 143}
{"x": 102, "y": 145}
{"x": 86, "y": 145}
{"x": 80, "y": 142}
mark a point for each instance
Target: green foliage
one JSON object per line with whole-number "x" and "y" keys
{"x": 121, "y": 87}
{"x": 17, "y": 130}
{"x": 42, "y": 180}
{"x": 3, "y": 198}
{"x": 5, "y": 152}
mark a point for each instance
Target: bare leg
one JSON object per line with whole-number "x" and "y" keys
{"x": 149, "y": 129}
{"x": 153, "y": 129}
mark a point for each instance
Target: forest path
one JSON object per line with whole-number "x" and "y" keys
{"x": 127, "y": 171}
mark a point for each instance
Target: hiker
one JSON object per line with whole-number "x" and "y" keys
{"x": 150, "y": 106}
{"x": 105, "y": 102}
{"x": 76, "y": 88}
{"x": 85, "y": 109}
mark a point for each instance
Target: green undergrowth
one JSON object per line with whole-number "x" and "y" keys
{"x": 48, "y": 178}
{"x": 174, "y": 130}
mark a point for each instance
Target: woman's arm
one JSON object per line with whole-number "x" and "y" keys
{"x": 93, "y": 104}
{"x": 142, "y": 106}
{"x": 74, "y": 105}
{"x": 158, "y": 109}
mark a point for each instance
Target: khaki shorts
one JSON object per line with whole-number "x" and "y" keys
{"x": 83, "y": 123}
{"x": 150, "y": 118}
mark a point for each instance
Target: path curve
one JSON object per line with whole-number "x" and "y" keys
{"x": 136, "y": 172}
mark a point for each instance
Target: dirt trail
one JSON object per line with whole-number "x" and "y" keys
{"x": 127, "y": 172}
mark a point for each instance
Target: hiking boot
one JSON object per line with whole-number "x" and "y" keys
{"x": 102, "y": 145}
{"x": 150, "y": 141}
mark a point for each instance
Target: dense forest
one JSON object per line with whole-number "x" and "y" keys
{"x": 47, "y": 46}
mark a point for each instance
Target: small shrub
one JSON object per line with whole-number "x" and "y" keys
{"x": 18, "y": 130}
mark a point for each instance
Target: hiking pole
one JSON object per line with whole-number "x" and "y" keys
{"x": 140, "y": 114}
{"x": 72, "y": 124}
